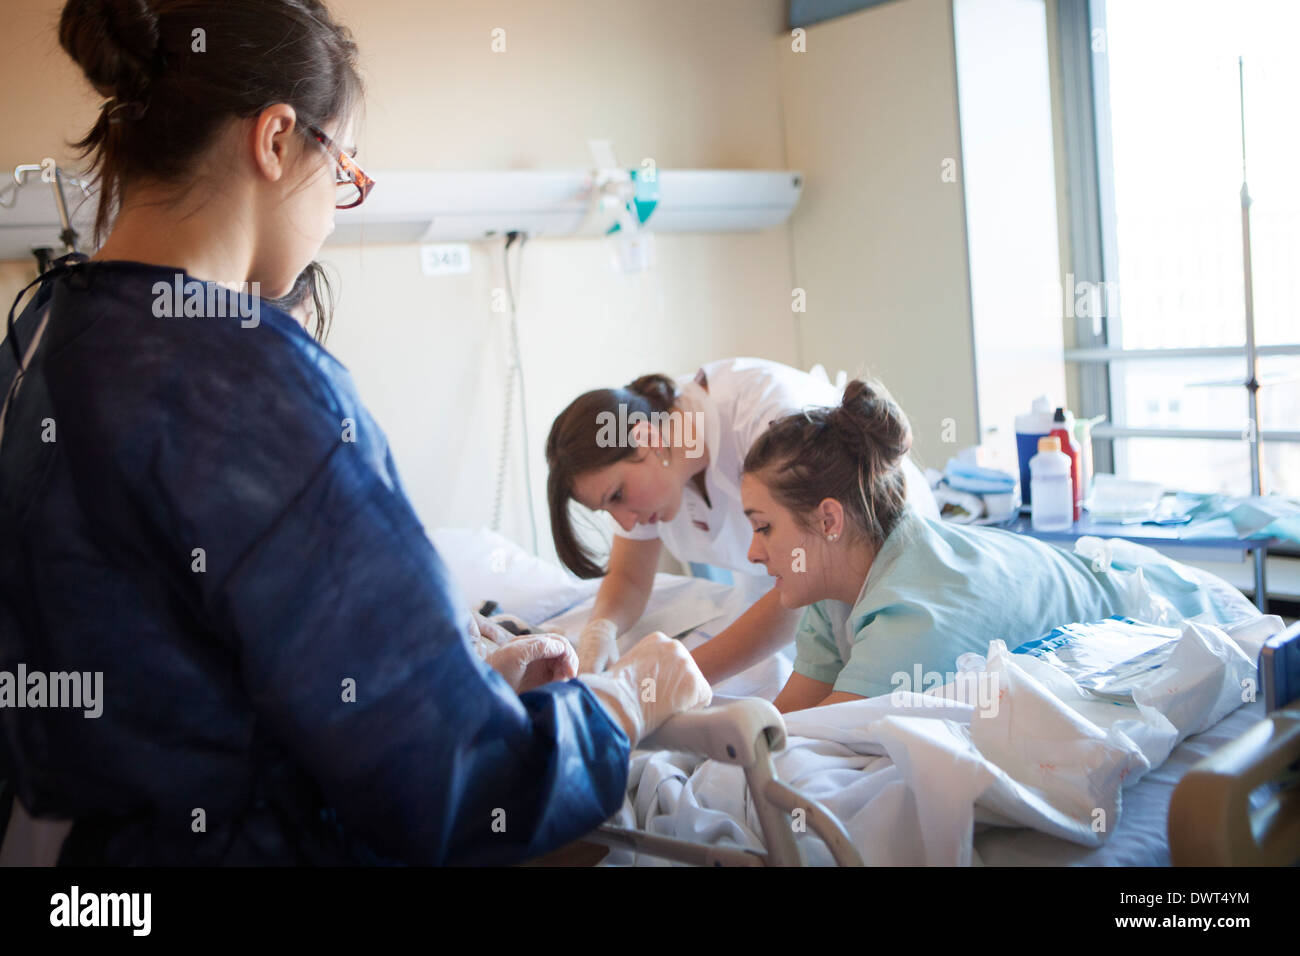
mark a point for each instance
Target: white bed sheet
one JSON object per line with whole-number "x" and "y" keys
{"x": 910, "y": 778}
{"x": 1141, "y": 836}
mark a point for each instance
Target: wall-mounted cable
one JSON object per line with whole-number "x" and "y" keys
{"x": 514, "y": 372}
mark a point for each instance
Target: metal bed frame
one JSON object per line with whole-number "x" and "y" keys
{"x": 744, "y": 731}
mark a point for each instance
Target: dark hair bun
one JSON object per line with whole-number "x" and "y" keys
{"x": 852, "y": 452}
{"x": 871, "y": 423}
{"x": 115, "y": 42}
{"x": 659, "y": 390}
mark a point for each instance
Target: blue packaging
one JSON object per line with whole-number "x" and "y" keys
{"x": 1029, "y": 428}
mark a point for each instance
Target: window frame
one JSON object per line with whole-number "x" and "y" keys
{"x": 1091, "y": 197}
{"x": 1094, "y": 257}
{"x": 1094, "y": 253}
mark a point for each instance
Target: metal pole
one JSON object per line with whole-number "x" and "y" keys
{"x": 1252, "y": 357}
{"x": 67, "y": 235}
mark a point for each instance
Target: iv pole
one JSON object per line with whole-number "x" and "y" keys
{"x": 1252, "y": 356}
{"x": 67, "y": 234}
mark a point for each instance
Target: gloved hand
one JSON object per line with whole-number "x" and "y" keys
{"x": 654, "y": 680}
{"x": 491, "y": 634}
{"x": 533, "y": 660}
{"x": 597, "y": 645}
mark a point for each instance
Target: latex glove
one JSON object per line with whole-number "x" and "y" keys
{"x": 654, "y": 680}
{"x": 486, "y": 637}
{"x": 491, "y": 631}
{"x": 533, "y": 660}
{"x": 597, "y": 646}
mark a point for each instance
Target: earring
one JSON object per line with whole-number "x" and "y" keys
{"x": 665, "y": 462}
{"x": 831, "y": 537}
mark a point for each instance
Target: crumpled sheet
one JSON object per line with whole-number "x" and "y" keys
{"x": 1255, "y": 517}
{"x": 910, "y": 775}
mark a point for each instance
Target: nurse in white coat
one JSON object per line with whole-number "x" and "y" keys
{"x": 664, "y": 460}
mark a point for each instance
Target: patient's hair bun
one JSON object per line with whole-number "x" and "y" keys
{"x": 870, "y": 422}
{"x": 115, "y": 42}
{"x": 852, "y": 452}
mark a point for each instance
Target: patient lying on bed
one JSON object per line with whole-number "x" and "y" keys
{"x": 889, "y": 594}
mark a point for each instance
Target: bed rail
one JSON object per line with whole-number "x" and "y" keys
{"x": 1211, "y": 822}
{"x": 744, "y": 731}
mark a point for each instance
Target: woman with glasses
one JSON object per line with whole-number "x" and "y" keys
{"x": 200, "y": 521}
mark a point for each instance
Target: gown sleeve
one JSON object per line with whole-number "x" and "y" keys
{"x": 356, "y": 656}
{"x": 253, "y": 487}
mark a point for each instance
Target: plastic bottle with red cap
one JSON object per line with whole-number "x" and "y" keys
{"x": 1063, "y": 429}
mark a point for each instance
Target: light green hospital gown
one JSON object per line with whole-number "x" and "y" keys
{"x": 937, "y": 590}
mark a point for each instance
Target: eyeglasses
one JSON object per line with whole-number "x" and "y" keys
{"x": 352, "y": 184}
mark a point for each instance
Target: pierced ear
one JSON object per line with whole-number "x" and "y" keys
{"x": 830, "y": 514}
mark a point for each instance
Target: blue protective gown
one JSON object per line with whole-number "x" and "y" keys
{"x": 217, "y": 527}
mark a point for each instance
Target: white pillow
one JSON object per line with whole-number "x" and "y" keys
{"x": 487, "y": 566}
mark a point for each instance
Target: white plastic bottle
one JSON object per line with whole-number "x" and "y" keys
{"x": 1052, "y": 506}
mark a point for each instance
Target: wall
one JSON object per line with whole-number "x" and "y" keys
{"x": 878, "y": 243}
{"x": 870, "y": 117}
{"x": 687, "y": 84}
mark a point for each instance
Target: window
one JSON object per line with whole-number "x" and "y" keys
{"x": 1154, "y": 144}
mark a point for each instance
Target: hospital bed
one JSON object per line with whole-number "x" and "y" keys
{"x": 1158, "y": 825}
{"x": 1192, "y": 809}
{"x": 1229, "y": 796}
{"x": 1236, "y": 779}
